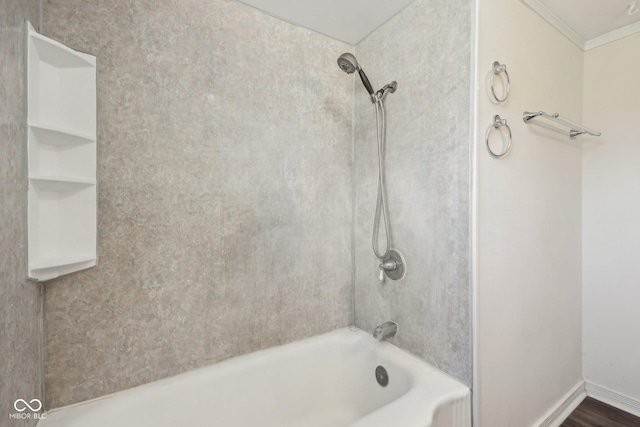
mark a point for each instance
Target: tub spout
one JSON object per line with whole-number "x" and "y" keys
{"x": 386, "y": 330}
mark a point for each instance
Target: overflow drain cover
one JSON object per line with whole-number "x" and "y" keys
{"x": 381, "y": 376}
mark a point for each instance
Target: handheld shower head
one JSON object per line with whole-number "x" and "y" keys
{"x": 349, "y": 64}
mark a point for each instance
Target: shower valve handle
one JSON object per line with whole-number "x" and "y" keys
{"x": 388, "y": 265}
{"x": 393, "y": 265}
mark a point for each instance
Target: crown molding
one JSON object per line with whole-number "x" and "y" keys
{"x": 556, "y": 22}
{"x": 569, "y": 33}
{"x": 613, "y": 36}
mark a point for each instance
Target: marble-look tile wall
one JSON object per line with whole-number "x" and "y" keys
{"x": 225, "y": 204}
{"x": 427, "y": 49}
{"x": 20, "y": 331}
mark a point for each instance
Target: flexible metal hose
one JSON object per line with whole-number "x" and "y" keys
{"x": 381, "y": 204}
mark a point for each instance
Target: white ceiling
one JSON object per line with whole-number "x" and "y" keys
{"x": 588, "y": 23}
{"x": 346, "y": 20}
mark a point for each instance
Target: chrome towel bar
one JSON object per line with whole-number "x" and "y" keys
{"x": 575, "y": 128}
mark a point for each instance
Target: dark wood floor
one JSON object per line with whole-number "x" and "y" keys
{"x": 593, "y": 413}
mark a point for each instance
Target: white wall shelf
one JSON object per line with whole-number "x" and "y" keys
{"x": 57, "y": 136}
{"x": 59, "y": 183}
{"x": 54, "y": 263}
{"x": 61, "y": 146}
{"x": 57, "y": 54}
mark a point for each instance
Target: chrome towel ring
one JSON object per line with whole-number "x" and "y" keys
{"x": 497, "y": 70}
{"x": 497, "y": 124}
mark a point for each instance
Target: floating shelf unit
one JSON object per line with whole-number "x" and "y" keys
{"x": 61, "y": 149}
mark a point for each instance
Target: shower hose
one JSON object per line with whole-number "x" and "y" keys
{"x": 381, "y": 204}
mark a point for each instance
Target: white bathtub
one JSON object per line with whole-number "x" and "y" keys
{"x": 324, "y": 381}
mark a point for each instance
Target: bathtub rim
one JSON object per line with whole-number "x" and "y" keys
{"x": 350, "y": 334}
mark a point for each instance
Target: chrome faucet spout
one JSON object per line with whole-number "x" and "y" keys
{"x": 385, "y": 330}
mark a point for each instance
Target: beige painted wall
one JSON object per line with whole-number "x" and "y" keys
{"x": 528, "y": 231}
{"x": 20, "y": 330}
{"x": 224, "y": 163}
{"x": 611, "y": 210}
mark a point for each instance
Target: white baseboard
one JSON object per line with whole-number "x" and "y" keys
{"x": 614, "y": 399}
{"x": 564, "y": 407}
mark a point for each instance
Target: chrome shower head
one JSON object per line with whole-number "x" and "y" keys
{"x": 349, "y": 64}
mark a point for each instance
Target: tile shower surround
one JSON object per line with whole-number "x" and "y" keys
{"x": 225, "y": 186}
{"x": 426, "y": 48}
{"x": 226, "y": 190}
{"x": 20, "y": 333}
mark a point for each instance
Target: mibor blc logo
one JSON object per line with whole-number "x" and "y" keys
{"x": 27, "y": 410}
